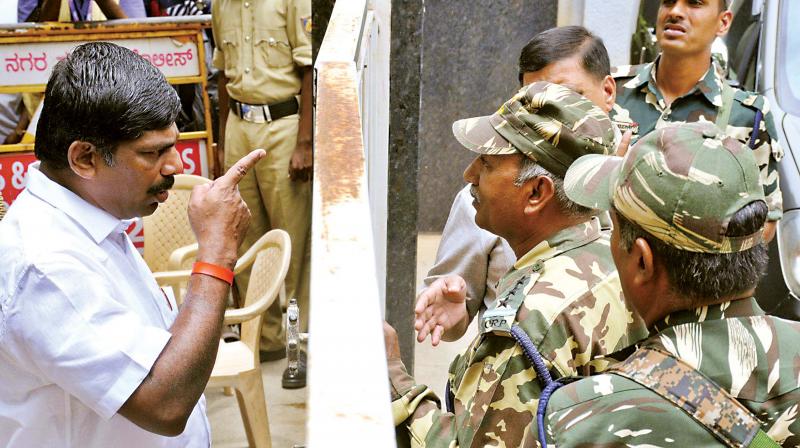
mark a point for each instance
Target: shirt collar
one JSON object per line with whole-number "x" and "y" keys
{"x": 97, "y": 222}
{"x": 725, "y": 310}
{"x": 710, "y": 85}
{"x": 643, "y": 76}
{"x": 566, "y": 239}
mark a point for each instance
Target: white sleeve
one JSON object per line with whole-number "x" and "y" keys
{"x": 64, "y": 323}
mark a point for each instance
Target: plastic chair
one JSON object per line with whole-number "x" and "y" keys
{"x": 238, "y": 365}
{"x": 168, "y": 238}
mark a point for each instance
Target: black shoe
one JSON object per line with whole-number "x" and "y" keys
{"x": 271, "y": 355}
{"x": 296, "y": 379}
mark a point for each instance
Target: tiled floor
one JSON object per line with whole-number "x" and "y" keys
{"x": 287, "y": 407}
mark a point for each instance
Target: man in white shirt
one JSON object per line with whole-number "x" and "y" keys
{"x": 92, "y": 352}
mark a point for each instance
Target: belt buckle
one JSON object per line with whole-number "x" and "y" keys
{"x": 251, "y": 113}
{"x": 267, "y": 114}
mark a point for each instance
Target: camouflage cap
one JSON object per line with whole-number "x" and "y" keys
{"x": 547, "y": 122}
{"x": 681, "y": 183}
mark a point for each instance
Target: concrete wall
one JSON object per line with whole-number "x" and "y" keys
{"x": 469, "y": 67}
{"x": 615, "y": 22}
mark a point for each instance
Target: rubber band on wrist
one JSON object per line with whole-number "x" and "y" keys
{"x": 218, "y": 272}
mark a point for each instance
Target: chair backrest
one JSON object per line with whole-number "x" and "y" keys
{"x": 270, "y": 257}
{"x": 168, "y": 228}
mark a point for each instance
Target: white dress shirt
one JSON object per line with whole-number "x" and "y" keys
{"x": 82, "y": 321}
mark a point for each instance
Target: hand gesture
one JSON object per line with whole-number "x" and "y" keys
{"x": 441, "y": 307}
{"x": 302, "y": 162}
{"x": 624, "y": 142}
{"x": 218, "y": 215}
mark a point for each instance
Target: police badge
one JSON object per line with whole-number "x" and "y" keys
{"x": 306, "y": 23}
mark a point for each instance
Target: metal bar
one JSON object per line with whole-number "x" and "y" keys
{"x": 346, "y": 351}
{"x": 211, "y": 156}
{"x": 193, "y": 135}
{"x": 178, "y": 22}
{"x": 106, "y": 34}
{"x": 17, "y": 147}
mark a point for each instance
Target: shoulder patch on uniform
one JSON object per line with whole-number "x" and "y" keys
{"x": 625, "y": 71}
{"x": 306, "y": 24}
{"x": 750, "y": 99}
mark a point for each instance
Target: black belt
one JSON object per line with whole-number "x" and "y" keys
{"x": 264, "y": 113}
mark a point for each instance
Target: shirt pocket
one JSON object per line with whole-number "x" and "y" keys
{"x": 272, "y": 44}
{"x": 230, "y": 48}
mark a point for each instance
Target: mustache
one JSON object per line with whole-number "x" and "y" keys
{"x": 473, "y": 191}
{"x": 164, "y": 185}
{"x": 673, "y": 21}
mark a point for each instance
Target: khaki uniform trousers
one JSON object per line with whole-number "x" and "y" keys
{"x": 275, "y": 202}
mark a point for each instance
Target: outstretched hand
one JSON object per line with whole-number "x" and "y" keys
{"x": 441, "y": 310}
{"x": 218, "y": 215}
{"x": 624, "y": 143}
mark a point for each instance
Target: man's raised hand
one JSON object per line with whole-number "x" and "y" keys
{"x": 441, "y": 310}
{"x": 218, "y": 215}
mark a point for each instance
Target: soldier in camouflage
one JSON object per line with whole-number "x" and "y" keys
{"x": 688, "y": 212}
{"x": 563, "y": 291}
{"x": 667, "y": 90}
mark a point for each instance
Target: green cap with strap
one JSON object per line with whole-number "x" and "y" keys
{"x": 546, "y": 122}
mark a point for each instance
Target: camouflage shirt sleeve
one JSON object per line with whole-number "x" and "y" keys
{"x": 768, "y": 153}
{"x": 417, "y": 407}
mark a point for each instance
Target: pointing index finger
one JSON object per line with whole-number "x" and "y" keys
{"x": 240, "y": 168}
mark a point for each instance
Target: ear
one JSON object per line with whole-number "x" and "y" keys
{"x": 83, "y": 159}
{"x": 725, "y": 20}
{"x": 540, "y": 191}
{"x": 642, "y": 255}
{"x": 609, "y": 93}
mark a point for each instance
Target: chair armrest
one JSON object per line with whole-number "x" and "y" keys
{"x": 179, "y": 256}
{"x": 246, "y": 260}
{"x": 240, "y": 315}
{"x": 173, "y": 279}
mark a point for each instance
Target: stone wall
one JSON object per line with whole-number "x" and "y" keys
{"x": 469, "y": 68}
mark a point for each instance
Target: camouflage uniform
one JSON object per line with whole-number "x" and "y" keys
{"x": 564, "y": 293}
{"x": 641, "y": 108}
{"x": 754, "y": 357}
{"x": 682, "y": 184}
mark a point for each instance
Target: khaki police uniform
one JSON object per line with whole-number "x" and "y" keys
{"x": 260, "y": 44}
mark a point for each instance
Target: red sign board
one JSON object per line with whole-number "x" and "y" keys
{"x": 13, "y": 168}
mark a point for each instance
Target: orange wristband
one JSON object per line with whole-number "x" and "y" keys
{"x": 224, "y": 274}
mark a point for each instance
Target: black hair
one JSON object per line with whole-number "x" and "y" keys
{"x": 102, "y": 94}
{"x": 705, "y": 278}
{"x": 564, "y": 42}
